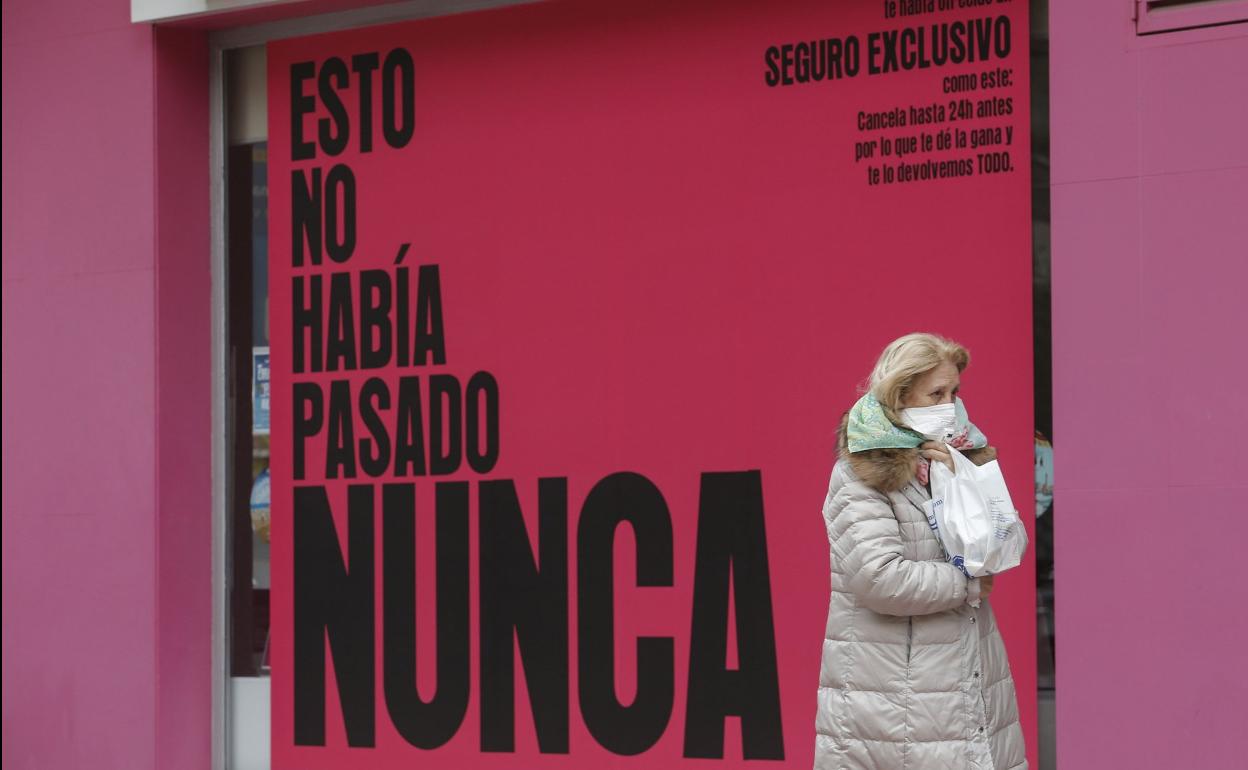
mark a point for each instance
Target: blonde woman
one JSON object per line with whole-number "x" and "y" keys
{"x": 914, "y": 673}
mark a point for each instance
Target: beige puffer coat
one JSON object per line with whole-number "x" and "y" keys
{"x": 913, "y": 675}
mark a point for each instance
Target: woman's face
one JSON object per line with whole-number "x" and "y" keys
{"x": 937, "y": 386}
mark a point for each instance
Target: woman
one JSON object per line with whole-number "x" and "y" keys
{"x": 914, "y": 673}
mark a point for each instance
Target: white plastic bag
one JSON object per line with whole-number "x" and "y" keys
{"x": 974, "y": 518}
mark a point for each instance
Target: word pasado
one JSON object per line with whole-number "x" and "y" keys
{"x": 406, "y": 430}
{"x": 898, "y": 50}
{"x": 523, "y": 604}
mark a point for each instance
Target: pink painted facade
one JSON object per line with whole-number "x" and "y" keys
{"x": 107, "y": 503}
{"x": 1149, "y": 190}
{"x": 107, "y": 515}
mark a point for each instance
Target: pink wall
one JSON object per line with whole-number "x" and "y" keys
{"x": 107, "y": 572}
{"x": 1149, "y": 188}
{"x": 105, "y": 513}
{"x": 183, "y": 390}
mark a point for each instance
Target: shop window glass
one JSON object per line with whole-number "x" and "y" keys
{"x": 247, "y": 411}
{"x": 247, "y": 445}
{"x": 1045, "y": 442}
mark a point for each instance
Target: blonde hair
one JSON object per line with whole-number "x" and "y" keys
{"x": 904, "y": 361}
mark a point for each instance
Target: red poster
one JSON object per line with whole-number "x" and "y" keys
{"x": 568, "y": 300}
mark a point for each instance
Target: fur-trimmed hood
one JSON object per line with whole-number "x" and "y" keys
{"x": 888, "y": 470}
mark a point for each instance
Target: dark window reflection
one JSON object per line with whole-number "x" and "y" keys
{"x": 247, "y": 280}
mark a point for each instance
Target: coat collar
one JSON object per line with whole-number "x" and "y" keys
{"x": 893, "y": 470}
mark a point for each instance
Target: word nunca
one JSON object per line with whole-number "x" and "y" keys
{"x": 524, "y": 612}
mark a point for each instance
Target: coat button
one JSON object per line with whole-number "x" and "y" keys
{"x": 977, "y": 675}
{"x": 972, "y": 620}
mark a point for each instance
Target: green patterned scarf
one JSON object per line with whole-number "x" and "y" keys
{"x": 870, "y": 428}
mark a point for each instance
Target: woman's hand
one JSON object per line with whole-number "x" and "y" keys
{"x": 985, "y": 586}
{"x": 936, "y": 452}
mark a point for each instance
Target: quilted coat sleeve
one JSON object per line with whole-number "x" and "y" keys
{"x": 866, "y": 541}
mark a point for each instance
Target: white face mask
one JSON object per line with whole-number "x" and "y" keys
{"x": 937, "y": 423}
